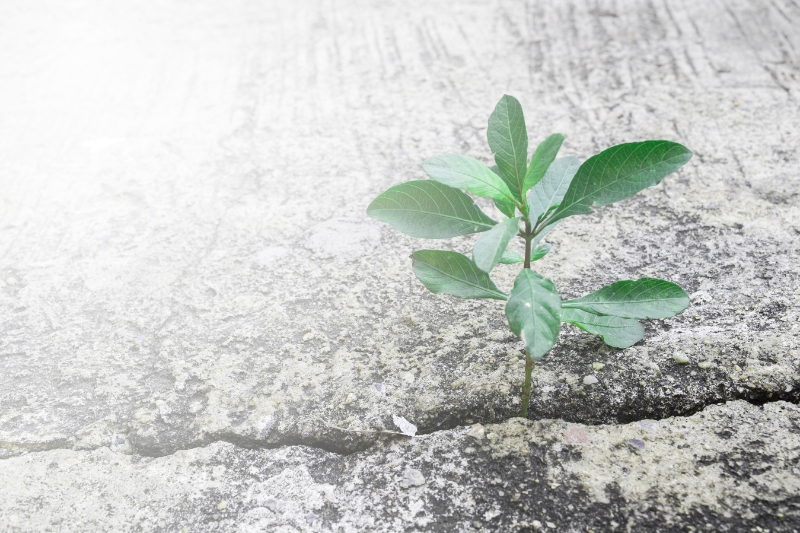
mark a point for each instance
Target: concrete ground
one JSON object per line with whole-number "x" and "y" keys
{"x": 202, "y": 330}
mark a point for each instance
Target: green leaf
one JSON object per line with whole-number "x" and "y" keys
{"x": 508, "y": 140}
{"x": 430, "y": 210}
{"x": 641, "y": 298}
{"x": 490, "y": 245}
{"x": 461, "y": 171}
{"x": 540, "y": 251}
{"x": 615, "y": 331}
{"x": 453, "y": 273}
{"x": 533, "y": 311}
{"x": 620, "y": 172}
{"x": 511, "y": 257}
{"x": 552, "y": 187}
{"x": 541, "y": 159}
{"x": 508, "y": 208}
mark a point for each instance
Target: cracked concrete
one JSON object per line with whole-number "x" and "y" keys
{"x": 185, "y": 258}
{"x": 729, "y": 465}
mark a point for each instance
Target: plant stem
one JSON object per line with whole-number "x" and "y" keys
{"x": 528, "y": 237}
{"x": 526, "y": 389}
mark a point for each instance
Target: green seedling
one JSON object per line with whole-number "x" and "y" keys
{"x": 534, "y": 196}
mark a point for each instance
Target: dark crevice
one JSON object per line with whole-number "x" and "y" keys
{"x": 353, "y": 446}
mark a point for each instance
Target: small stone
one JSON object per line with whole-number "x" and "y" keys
{"x": 784, "y": 319}
{"x": 551, "y": 525}
{"x": 705, "y": 365}
{"x": 537, "y": 525}
{"x": 636, "y": 443}
{"x": 576, "y": 435}
{"x": 273, "y": 504}
{"x": 680, "y": 359}
{"x": 476, "y": 432}
{"x": 406, "y": 427}
{"x": 310, "y": 518}
{"x": 589, "y": 380}
{"x": 491, "y": 436}
{"x": 598, "y": 366}
{"x": 737, "y": 368}
{"x": 222, "y": 505}
{"x": 412, "y": 478}
{"x": 469, "y": 450}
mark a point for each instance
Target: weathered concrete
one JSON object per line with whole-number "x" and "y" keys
{"x": 185, "y": 257}
{"x": 730, "y": 468}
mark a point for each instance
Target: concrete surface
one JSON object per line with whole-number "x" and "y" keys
{"x": 729, "y": 466}
{"x": 185, "y": 259}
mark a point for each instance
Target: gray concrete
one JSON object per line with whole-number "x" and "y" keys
{"x": 730, "y": 466}
{"x": 185, "y": 259}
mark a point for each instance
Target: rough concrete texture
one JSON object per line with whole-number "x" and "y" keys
{"x": 185, "y": 257}
{"x": 729, "y": 468}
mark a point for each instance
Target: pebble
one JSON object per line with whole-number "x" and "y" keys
{"x": 636, "y": 443}
{"x": 476, "y": 432}
{"x": 222, "y": 505}
{"x": 576, "y": 435}
{"x": 705, "y": 365}
{"x": 412, "y": 478}
{"x": 589, "y": 380}
{"x": 273, "y": 504}
{"x": 680, "y": 359}
{"x": 598, "y": 366}
{"x": 537, "y": 524}
{"x": 551, "y": 525}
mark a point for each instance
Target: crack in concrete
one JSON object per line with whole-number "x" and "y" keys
{"x": 244, "y": 442}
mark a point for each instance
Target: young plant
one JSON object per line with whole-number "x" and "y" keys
{"x": 534, "y": 196}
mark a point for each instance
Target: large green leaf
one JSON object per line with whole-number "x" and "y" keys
{"x": 533, "y": 311}
{"x": 491, "y": 245}
{"x": 453, "y": 273}
{"x": 615, "y": 331}
{"x": 464, "y": 172}
{"x": 541, "y": 159}
{"x": 430, "y": 210}
{"x": 551, "y": 188}
{"x": 641, "y": 298}
{"x": 508, "y": 140}
{"x": 620, "y": 172}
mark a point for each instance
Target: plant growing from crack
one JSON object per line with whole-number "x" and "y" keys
{"x": 534, "y": 196}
